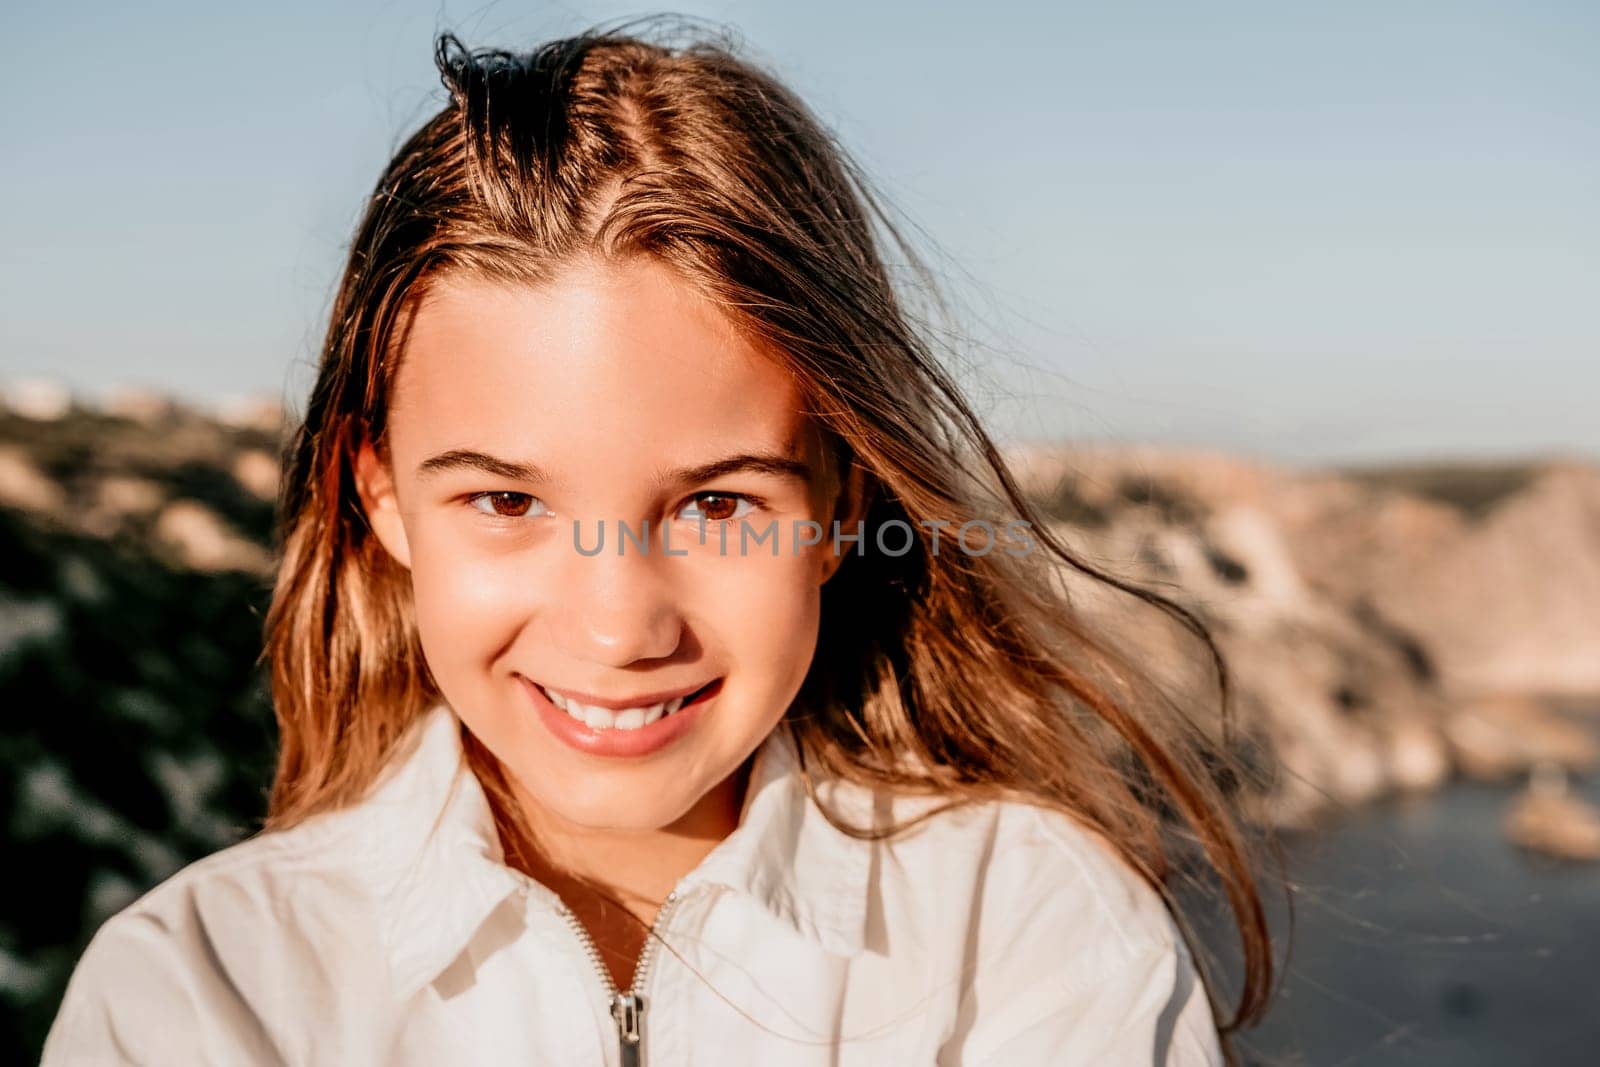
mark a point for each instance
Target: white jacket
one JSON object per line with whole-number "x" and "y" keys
{"x": 391, "y": 933}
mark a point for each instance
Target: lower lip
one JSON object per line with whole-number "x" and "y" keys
{"x": 623, "y": 744}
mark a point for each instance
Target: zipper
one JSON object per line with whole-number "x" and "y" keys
{"x": 627, "y": 1006}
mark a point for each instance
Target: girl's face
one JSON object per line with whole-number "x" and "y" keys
{"x": 621, "y": 686}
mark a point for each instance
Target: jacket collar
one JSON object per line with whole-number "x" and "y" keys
{"x": 435, "y": 858}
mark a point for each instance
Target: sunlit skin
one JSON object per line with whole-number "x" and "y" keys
{"x": 602, "y": 383}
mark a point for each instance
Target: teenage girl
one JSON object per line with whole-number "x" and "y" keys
{"x": 668, "y": 669}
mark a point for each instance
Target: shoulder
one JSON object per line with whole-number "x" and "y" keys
{"x": 1020, "y": 861}
{"x": 264, "y": 885}
{"x": 208, "y": 962}
{"x": 290, "y": 944}
{"x": 1069, "y": 953}
{"x": 1044, "y": 851}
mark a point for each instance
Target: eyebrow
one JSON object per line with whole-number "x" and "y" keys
{"x": 771, "y": 463}
{"x": 466, "y": 459}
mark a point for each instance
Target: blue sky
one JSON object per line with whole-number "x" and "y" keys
{"x": 1305, "y": 231}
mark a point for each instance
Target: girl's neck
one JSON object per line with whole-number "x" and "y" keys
{"x": 615, "y": 881}
{"x": 636, "y": 868}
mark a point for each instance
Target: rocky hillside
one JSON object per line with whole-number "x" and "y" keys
{"x": 1386, "y": 628}
{"x": 138, "y": 731}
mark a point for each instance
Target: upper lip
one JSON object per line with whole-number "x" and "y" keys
{"x": 644, "y": 700}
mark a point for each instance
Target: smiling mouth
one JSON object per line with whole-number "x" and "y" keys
{"x": 634, "y": 718}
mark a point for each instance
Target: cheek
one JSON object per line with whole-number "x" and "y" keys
{"x": 467, "y": 604}
{"x": 763, "y": 613}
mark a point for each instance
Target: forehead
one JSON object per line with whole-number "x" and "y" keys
{"x": 605, "y": 364}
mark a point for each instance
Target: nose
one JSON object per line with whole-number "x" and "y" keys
{"x": 615, "y": 609}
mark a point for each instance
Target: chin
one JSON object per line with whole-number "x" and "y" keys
{"x": 635, "y": 810}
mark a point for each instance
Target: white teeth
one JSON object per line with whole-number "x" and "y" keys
{"x": 606, "y": 719}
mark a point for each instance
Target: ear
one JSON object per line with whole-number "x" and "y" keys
{"x": 375, "y": 486}
{"x": 855, "y": 496}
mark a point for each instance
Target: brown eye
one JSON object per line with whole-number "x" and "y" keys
{"x": 506, "y": 505}
{"x": 717, "y": 507}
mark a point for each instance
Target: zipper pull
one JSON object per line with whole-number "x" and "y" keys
{"x": 628, "y": 1010}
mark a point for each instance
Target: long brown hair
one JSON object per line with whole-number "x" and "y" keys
{"x": 966, "y": 675}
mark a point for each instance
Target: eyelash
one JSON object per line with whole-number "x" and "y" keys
{"x": 755, "y": 503}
